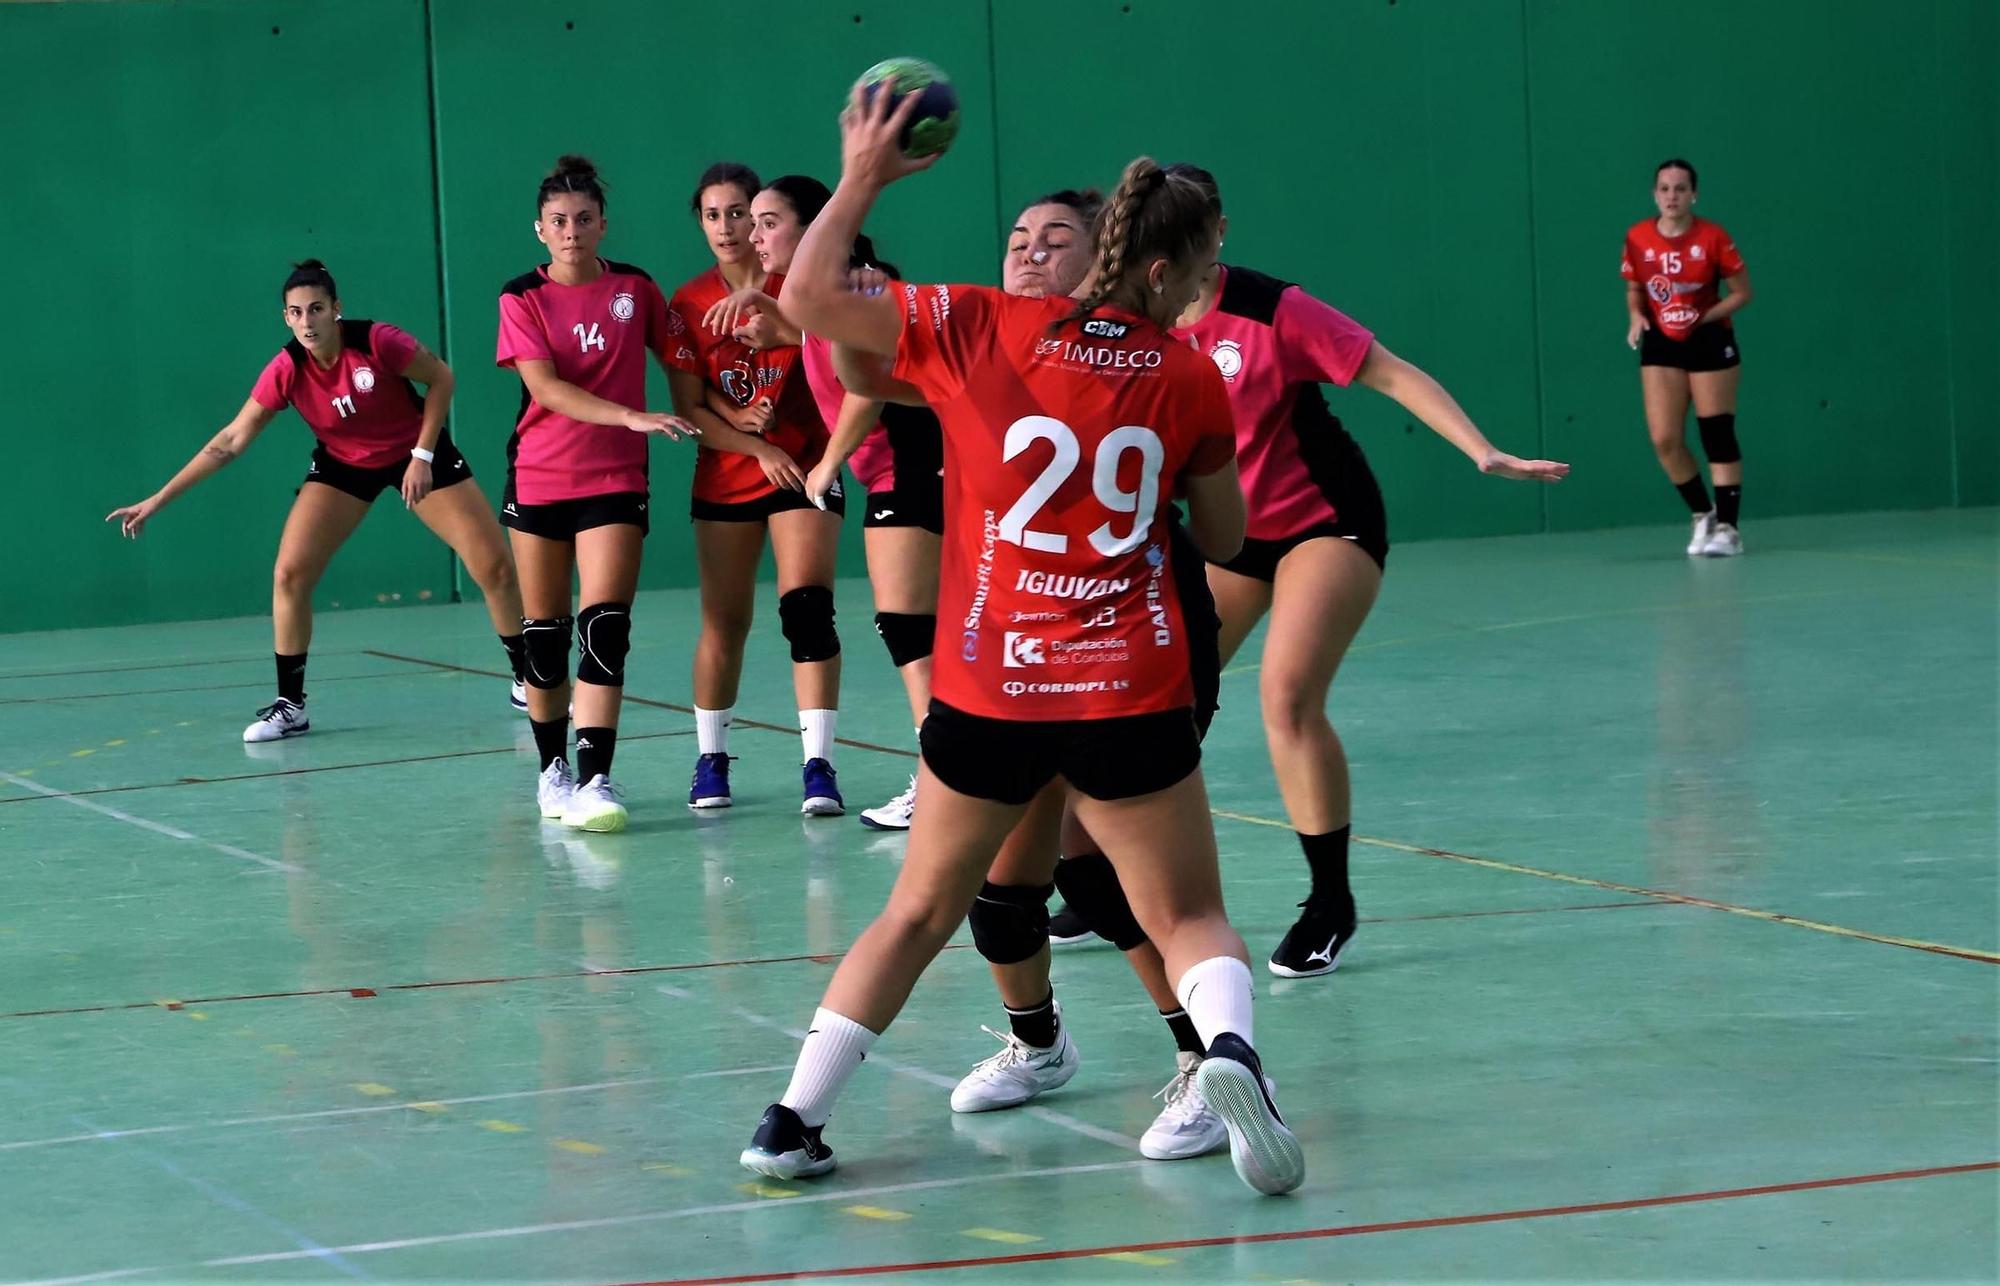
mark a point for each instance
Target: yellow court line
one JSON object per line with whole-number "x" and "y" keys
{"x": 878, "y": 1212}
{"x": 502, "y": 1127}
{"x": 768, "y": 1190}
{"x": 1001, "y": 1235}
{"x": 1137, "y": 1257}
{"x": 374, "y": 1089}
{"x": 578, "y": 1145}
{"x": 1561, "y": 877}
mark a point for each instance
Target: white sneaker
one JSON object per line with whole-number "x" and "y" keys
{"x": 517, "y": 696}
{"x": 1704, "y": 527}
{"x": 1724, "y": 542}
{"x": 1016, "y": 1074}
{"x": 277, "y": 721}
{"x": 554, "y": 788}
{"x": 1187, "y": 1126}
{"x": 594, "y": 806}
{"x": 894, "y": 815}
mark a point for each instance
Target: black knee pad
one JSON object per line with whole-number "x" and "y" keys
{"x": 806, "y": 617}
{"x": 1090, "y": 886}
{"x": 908, "y": 635}
{"x": 546, "y": 641}
{"x": 604, "y": 636}
{"x": 1010, "y": 922}
{"x": 1718, "y": 438}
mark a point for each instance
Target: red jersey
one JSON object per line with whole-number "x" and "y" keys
{"x": 361, "y": 408}
{"x": 597, "y": 334}
{"x": 1063, "y": 445}
{"x": 743, "y": 374}
{"x": 1682, "y": 276}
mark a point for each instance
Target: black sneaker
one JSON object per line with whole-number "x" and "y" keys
{"x": 1263, "y": 1148}
{"x": 1316, "y": 943}
{"x": 1067, "y": 929}
{"x": 784, "y": 1147}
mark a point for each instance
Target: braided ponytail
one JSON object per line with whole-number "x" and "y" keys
{"x": 1154, "y": 213}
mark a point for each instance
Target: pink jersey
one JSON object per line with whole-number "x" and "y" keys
{"x": 361, "y": 408}
{"x": 1274, "y": 345}
{"x": 874, "y": 461}
{"x": 598, "y": 335}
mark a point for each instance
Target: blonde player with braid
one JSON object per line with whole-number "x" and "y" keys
{"x": 1032, "y": 394}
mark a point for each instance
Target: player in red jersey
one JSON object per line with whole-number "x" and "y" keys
{"x": 1674, "y": 267}
{"x": 761, "y": 432}
{"x": 352, "y": 383}
{"x": 1069, "y": 426}
{"x": 577, "y": 331}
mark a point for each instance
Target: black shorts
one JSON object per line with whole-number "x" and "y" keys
{"x": 448, "y": 470}
{"x": 1010, "y": 760}
{"x": 562, "y": 519}
{"x": 760, "y": 510}
{"x": 1709, "y": 348}
{"x": 914, "y": 502}
{"x": 1204, "y": 626}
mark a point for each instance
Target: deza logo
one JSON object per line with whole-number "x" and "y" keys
{"x": 1102, "y": 329}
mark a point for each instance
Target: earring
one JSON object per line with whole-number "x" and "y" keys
{"x": 1159, "y": 289}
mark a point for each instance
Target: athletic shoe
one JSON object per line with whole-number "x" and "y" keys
{"x": 1067, "y": 929}
{"x": 1316, "y": 943}
{"x": 711, "y": 782}
{"x": 277, "y": 721}
{"x": 554, "y": 788}
{"x": 517, "y": 695}
{"x": 1016, "y": 1074}
{"x": 1724, "y": 542}
{"x": 1264, "y": 1150}
{"x": 785, "y": 1147}
{"x": 822, "y": 790}
{"x": 594, "y": 806}
{"x": 894, "y": 815}
{"x": 1187, "y": 1126}
{"x": 1704, "y": 527}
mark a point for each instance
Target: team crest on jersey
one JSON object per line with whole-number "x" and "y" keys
{"x": 1649, "y": 256}
{"x": 1228, "y": 355}
{"x": 364, "y": 379}
{"x": 1661, "y": 289}
{"x": 1047, "y": 347}
{"x": 1022, "y": 650}
{"x": 623, "y": 306}
{"x": 1694, "y": 252}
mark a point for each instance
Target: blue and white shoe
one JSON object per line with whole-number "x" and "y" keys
{"x": 517, "y": 696}
{"x": 784, "y": 1147}
{"x": 822, "y": 790}
{"x": 711, "y": 782}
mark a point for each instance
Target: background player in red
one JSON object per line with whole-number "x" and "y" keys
{"x": 761, "y": 432}
{"x": 1068, "y": 427}
{"x": 1674, "y": 267}
{"x": 351, "y": 382}
{"x": 577, "y": 331}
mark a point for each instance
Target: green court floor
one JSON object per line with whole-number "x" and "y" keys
{"x": 1679, "y": 960}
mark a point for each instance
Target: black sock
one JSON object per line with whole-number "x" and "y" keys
{"x": 1728, "y": 503}
{"x": 517, "y": 652}
{"x": 1327, "y": 856}
{"x": 594, "y": 748}
{"x": 1185, "y": 1036}
{"x": 1695, "y": 494}
{"x": 292, "y": 677}
{"x": 1036, "y": 1026}
{"x": 551, "y": 739}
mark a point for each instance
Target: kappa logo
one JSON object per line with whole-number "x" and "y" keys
{"x": 1228, "y": 355}
{"x": 1022, "y": 650}
{"x": 623, "y": 306}
{"x": 364, "y": 379}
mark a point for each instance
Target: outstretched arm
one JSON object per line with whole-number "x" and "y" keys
{"x": 225, "y": 446}
{"x": 1416, "y": 392}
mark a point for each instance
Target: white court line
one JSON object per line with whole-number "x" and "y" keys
{"x": 158, "y": 828}
{"x": 376, "y": 1109}
{"x": 928, "y": 1077}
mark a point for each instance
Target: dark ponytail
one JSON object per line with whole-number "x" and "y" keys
{"x": 1152, "y": 214}
{"x": 572, "y": 174}
{"x": 310, "y": 273}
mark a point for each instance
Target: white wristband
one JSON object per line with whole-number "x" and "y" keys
{"x": 426, "y": 456}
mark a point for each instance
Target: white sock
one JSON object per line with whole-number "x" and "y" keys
{"x": 711, "y": 730}
{"x": 1216, "y": 995}
{"x": 834, "y": 1047}
{"x": 816, "y": 730}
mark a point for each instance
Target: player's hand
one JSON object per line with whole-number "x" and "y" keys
{"x": 781, "y": 469}
{"x": 871, "y": 139}
{"x": 1502, "y": 465}
{"x": 867, "y": 281}
{"x": 416, "y": 483}
{"x": 825, "y": 476}
{"x": 1638, "y": 327}
{"x": 673, "y": 426}
{"x": 757, "y": 331}
{"x": 754, "y": 418}
{"x": 729, "y": 312}
{"x": 131, "y": 518}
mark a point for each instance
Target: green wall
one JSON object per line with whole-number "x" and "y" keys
{"x": 1456, "y": 173}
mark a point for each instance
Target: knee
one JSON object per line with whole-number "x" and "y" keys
{"x": 918, "y": 923}
{"x": 805, "y": 615}
{"x": 1291, "y": 711}
{"x": 495, "y": 573}
{"x": 1010, "y": 922}
{"x": 289, "y": 580}
{"x": 727, "y": 625}
{"x": 1669, "y": 446}
{"x": 604, "y": 636}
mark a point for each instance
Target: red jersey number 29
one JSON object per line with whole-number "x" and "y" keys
{"x": 1103, "y": 481}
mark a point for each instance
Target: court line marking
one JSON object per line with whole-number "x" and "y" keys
{"x": 158, "y": 828}
{"x": 203, "y": 687}
{"x": 1344, "y": 1230}
{"x": 1664, "y": 895}
{"x": 261, "y": 659}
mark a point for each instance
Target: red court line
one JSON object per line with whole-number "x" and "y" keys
{"x": 263, "y": 659}
{"x": 200, "y": 687}
{"x": 363, "y": 992}
{"x": 1344, "y": 1230}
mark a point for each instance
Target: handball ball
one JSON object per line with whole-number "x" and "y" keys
{"x": 935, "y": 125}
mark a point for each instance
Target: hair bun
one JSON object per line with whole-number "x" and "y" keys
{"x": 570, "y": 165}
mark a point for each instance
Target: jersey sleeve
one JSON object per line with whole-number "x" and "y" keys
{"x": 273, "y": 389}
{"x": 679, "y": 347}
{"x": 394, "y": 347}
{"x": 1627, "y": 267}
{"x": 1214, "y": 427}
{"x": 1728, "y": 259}
{"x": 1316, "y": 341}
{"x": 521, "y": 334}
{"x": 945, "y": 330}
